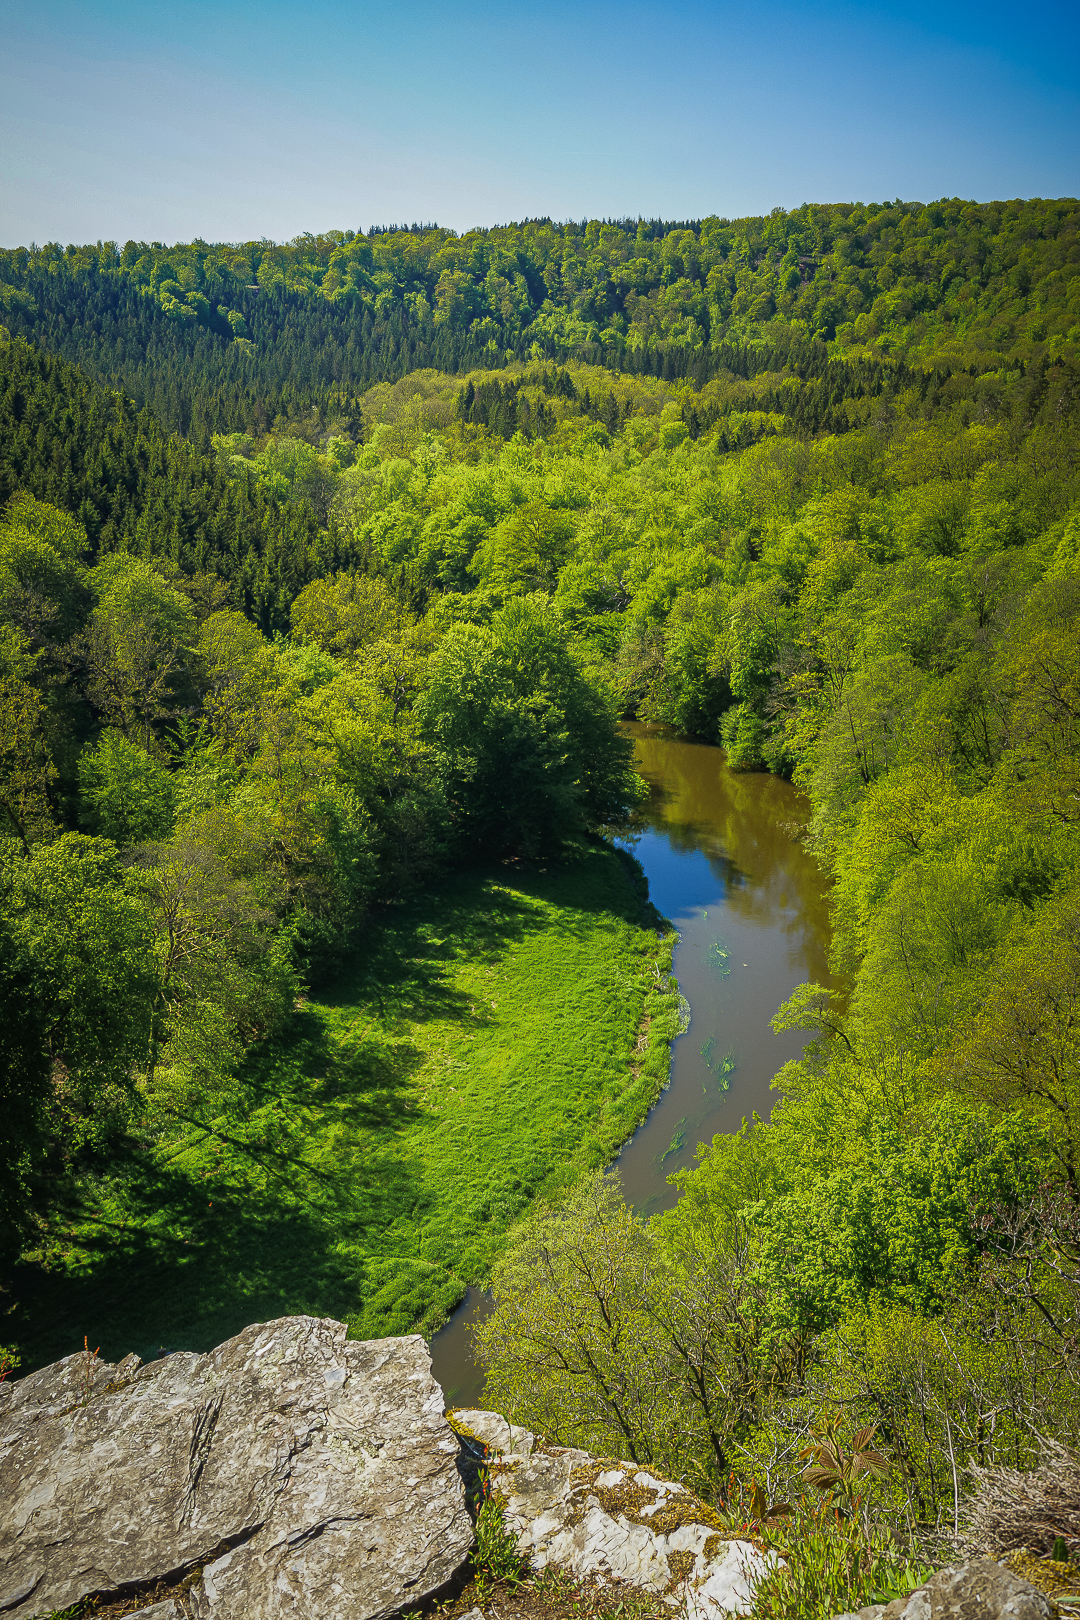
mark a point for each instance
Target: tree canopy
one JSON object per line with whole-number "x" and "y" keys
{"x": 329, "y": 566}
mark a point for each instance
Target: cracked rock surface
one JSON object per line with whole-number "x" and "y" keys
{"x": 302, "y": 1473}
{"x": 614, "y": 1520}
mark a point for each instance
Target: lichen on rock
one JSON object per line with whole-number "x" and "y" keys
{"x": 608, "y": 1518}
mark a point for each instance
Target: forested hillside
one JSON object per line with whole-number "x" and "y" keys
{"x": 820, "y": 504}
{"x": 222, "y": 337}
{"x": 134, "y": 488}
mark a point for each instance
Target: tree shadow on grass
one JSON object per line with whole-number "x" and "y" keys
{"x": 187, "y": 1263}
{"x": 401, "y": 967}
{"x": 247, "y": 1220}
{"x": 358, "y": 1069}
{"x": 250, "y": 1216}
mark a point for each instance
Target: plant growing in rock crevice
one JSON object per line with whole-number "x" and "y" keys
{"x": 749, "y": 1515}
{"x": 495, "y": 1558}
{"x": 88, "y": 1370}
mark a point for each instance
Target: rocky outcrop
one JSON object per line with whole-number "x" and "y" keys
{"x": 288, "y": 1472}
{"x": 614, "y": 1520}
{"x": 979, "y": 1589}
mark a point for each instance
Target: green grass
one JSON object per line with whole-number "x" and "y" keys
{"x": 480, "y": 1047}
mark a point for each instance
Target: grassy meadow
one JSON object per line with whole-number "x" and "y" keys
{"x": 491, "y": 1042}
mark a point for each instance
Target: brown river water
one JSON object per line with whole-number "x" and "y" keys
{"x": 751, "y": 909}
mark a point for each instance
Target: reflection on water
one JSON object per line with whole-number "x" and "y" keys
{"x": 751, "y": 909}
{"x": 750, "y": 906}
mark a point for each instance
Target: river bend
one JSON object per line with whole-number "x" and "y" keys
{"x": 722, "y": 854}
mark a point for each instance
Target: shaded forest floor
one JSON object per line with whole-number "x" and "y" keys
{"x": 485, "y": 1044}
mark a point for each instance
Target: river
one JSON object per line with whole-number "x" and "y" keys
{"x": 723, "y": 860}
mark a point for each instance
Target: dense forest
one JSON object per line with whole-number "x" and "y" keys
{"x": 442, "y": 510}
{"x": 217, "y": 337}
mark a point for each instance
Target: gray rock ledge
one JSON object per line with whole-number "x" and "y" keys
{"x": 301, "y": 1473}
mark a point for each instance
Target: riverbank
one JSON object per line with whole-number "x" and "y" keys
{"x": 723, "y": 856}
{"x": 485, "y": 1045}
{"x": 724, "y": 861}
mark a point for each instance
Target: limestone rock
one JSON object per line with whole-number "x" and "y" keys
{"x": 497, "y": 1433}
{"x": 302, "y": 1473}
{"x": 977, "y": 1590}
{"x": 614, "y": 1519}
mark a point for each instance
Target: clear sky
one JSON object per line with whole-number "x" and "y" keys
{"x": 232, "y": 120}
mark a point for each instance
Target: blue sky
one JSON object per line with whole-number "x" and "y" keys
{"x": 233, "y": 120}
